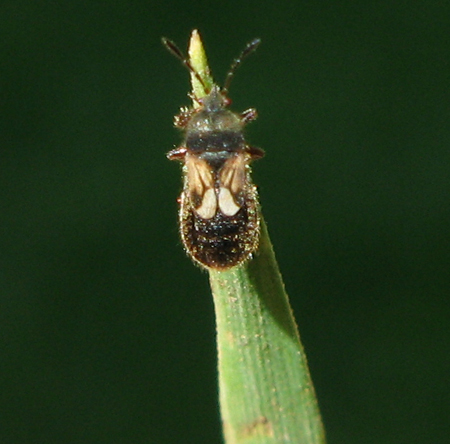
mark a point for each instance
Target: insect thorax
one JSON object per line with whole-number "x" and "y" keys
{"x": 218, "y": 120}
{"x": 215, "y": 142}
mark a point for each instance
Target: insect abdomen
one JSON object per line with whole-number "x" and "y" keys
{"x": 222, "y": 241}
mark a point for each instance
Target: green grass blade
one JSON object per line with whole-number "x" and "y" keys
{"x": 266, "y": 393}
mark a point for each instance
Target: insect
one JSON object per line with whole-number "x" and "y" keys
{"x": 219, "y": 210}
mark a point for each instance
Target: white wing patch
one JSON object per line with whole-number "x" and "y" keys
{"x": 226, "y": 202}
{"x": 232, "y": 182}
{"x": 208, "y": 208}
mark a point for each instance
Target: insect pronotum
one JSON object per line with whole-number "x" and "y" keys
{"x": 219, "y": 210}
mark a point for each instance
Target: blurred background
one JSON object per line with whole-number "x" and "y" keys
{"x": 107, "y": 329}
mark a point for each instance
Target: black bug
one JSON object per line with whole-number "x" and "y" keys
{"x": 219, "y": 209}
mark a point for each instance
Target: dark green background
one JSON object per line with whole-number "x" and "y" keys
{"x": 107, "y": 329}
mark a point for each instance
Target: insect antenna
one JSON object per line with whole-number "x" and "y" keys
{"x": 249, "y": 48}
{"x": 174, "y": 50}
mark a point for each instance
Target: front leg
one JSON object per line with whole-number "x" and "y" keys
{"x": 177, "y": 153}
